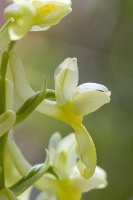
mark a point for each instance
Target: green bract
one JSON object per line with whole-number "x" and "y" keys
{"x": 35, "y": 15}
{"x": 71, "y": 104}
{"x": 30, "y": 177}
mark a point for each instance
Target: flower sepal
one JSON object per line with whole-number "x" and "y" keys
{"x": 22, "y": 14}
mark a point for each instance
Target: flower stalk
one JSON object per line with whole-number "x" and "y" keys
{"x": 3, "y": 69}
{"x": 3, "y": 138}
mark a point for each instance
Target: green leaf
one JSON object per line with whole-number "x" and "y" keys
{"x": 29, "y": 106}
{"x": 31, "y": 177}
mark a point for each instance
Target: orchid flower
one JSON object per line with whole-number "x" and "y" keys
{"x": 62, "y": 179}
{"x": 35, "y": 15}
{"x": 71, "y": 103}
{"x": 67, "y": 183}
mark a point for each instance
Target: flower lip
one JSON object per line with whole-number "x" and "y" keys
{"x": 89, "y": 87}
{"x": 89, "y": 97}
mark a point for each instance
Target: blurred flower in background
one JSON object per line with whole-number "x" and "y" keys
{"x": 99, "y": 33}
{"x": 66, "y": 181}
{"x": 34, "y": 15}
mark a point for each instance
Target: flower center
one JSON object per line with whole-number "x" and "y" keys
{"x": 43, "y": 11}
{"x": 46, "y": 9}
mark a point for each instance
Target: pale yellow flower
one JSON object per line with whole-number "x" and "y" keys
{"x": 62, "y": 179}
{"x": 72, "y": 102}
{"x": 35, "y": 15}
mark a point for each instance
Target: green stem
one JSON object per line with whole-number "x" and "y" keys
{"x": 3, "y": 69}
{"x": 3, "y": 139}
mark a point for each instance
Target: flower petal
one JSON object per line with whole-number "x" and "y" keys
{"x": 24, "y": 90}
{"x": 15, "y": 162}
{"x": 53, "y": 143}
{"x": 49, "y": 13}
{"x": 51, "y": 109}
{"x": 65, "y": 157}
{"x": 23, "y": 14}
{"x": 66, "y": 80}
{"x": 47, "y": 181}
{"x": 97, "y": 181}
{"x": 88, "y": 97}
{"x": 35, "y": 15}
{"x": 62, "y": 189}
{"x": 22, "y": 87}
{"x": 39, "y": 28}
{"x": 86, "y": 149}
{"x": 90, "y": 86}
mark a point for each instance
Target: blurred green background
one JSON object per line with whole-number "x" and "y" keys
{"x": 100, "y": 34}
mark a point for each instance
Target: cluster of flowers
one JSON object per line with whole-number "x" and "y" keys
{"x": 70, "y": 166}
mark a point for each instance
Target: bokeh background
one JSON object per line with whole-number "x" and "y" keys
{"x": 100, "y": 34}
